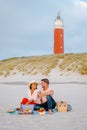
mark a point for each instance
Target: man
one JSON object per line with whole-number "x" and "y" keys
{"x": 46, "y": 96}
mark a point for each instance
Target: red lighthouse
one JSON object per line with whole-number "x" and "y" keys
{"x": 58, "y": 36}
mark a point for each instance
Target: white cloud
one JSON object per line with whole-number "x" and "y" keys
{"x": 83, "y": 4}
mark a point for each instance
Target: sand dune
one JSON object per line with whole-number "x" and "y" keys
{"x": 67, "y": 63}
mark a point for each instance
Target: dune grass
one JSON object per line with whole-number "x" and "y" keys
{"x": 75, "y": 62}
{"x": 44, "y": 64}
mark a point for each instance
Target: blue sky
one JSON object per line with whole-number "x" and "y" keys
{"x": 27, "y": 27}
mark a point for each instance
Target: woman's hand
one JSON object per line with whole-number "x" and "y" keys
{"x": 39, "y": 95}
{"x": 30, "y": 101}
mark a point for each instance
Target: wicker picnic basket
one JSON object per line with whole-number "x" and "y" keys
{"x": 62, "y": 106}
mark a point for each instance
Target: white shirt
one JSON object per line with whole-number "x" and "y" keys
{"x": 34, "y": 95}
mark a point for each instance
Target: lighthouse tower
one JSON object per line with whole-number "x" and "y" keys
{"x": 58, "y": 36}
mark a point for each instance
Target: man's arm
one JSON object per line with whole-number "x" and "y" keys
{"x": 51, "y": 92}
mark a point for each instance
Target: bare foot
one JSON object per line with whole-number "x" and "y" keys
{"x": 50, "y": 111}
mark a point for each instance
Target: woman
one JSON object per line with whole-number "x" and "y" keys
{"x": 32, "y": 94}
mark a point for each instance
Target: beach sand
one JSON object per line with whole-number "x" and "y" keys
{"x": 71, "y": 88}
